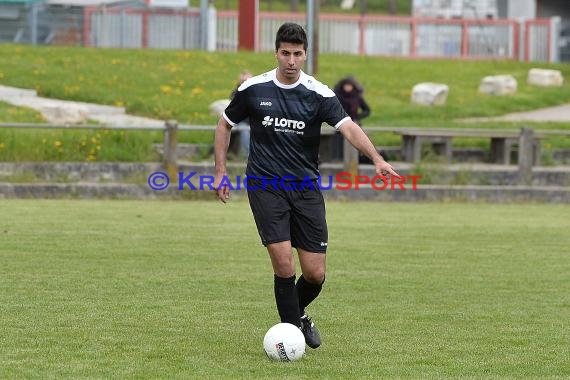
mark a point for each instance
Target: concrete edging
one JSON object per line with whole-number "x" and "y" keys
{"x": 430, "y": 193}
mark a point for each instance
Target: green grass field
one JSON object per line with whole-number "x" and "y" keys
{"x": 133, "y": 289}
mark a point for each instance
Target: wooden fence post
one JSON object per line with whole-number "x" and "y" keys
{"x": 350, "y": 159}
{"x": 170, "y": 145}
{"x": 525, "y": 156}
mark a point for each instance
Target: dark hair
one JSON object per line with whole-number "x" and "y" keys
{"x": 353, "y": 81}
{"x": 291, "y": 33}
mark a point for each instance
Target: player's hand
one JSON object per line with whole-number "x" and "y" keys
{"x": 222, "y": 192}
{"x": 385, "y": 169}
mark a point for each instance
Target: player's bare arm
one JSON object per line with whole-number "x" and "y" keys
{"x": 358, "y": 139}
{"x": 221, "y": 144}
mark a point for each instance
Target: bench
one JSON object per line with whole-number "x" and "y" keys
{"x": 441, "y": 140}
{"x": 325, "y": 148}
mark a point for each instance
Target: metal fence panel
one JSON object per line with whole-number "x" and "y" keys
{"x": 439, "y": 40}
{"x": 166, "y": 32}
{"x": 144, "y": 27}
{"x": 178, "y": 31}
{"x": 227, "y": 31}
{"x": 491, "y": 41}
{"x": 13, "y": 22}
{"x": 116, "y": 30}
{"x": 387, "y": 38}
{"x": 537, "y": 45}
{"x": 340, "y": 37}
{"x": 65, "y": 25}
{"x": 38, "y": 24}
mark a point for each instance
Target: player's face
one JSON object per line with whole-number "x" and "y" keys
{"x": 291, "y": 58}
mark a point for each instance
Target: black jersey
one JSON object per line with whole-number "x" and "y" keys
{"x": 285, "y": 123}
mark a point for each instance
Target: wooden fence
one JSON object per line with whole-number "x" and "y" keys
{"x": 526, "y": 139}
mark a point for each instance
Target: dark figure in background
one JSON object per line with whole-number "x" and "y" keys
{"x": 350, "y": 93}
{"x": 243, "y": 133}
{"x": 243, "y": 76}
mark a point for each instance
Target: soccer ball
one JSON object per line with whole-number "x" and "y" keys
{"x": 284, "y": 342}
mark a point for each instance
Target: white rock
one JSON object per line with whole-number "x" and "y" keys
{"x": 430, "y": 93}
{"x": 498, "y": 85}
{"x": 545, "y": 78}
{"x": 56, "y": 114}
{"x": 347, "y": 4}
{"x": 219, "y": 106}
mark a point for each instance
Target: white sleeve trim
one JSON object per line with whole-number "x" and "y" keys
{"x": 314, "y": 85}
{"x": 228, "y": 119}
{"x": 337, "y": 125}
{"x": 262, "y": 78}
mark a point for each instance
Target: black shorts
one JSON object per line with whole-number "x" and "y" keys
{"x": 297, "y": 215}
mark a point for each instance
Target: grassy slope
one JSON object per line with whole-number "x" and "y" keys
{"x": 181, "y": 84}
{"x": 13, "y": 114}
{"x": 143, "y": 289}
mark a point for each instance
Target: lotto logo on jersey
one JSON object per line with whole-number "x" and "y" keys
{"x": 268, "y": 121}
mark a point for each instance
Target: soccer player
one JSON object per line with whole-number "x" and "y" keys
{"x": 286, "y": 108}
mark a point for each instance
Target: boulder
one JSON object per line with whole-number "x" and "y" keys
{"x": 65, "y": 114}
{"x": 219, "y": 106}
{"x": 545, "y": 78}
{"x": 430, "y": 94}
{"x": 498, "y": 85}
{"x": 347, "y": 4}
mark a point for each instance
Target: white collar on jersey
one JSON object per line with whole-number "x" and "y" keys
{"x": 304, "y": 79}
{"x": 301, "y": 79}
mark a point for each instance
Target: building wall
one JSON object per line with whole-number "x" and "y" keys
{"x": 517, "y": 9}
{"x": 470, "y": 9}
{"x": 550, "y": 8}
{"x": 530, "y": 9}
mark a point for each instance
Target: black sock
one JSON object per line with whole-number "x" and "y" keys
{"x": 307, "y": 293}
{"x": 287, "y": 300}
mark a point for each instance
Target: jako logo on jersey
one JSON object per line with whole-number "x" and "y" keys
{"x": 268, "y": 104}
{"x": 280, "y": 122}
